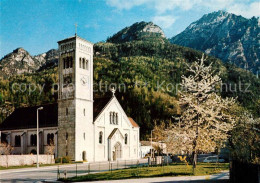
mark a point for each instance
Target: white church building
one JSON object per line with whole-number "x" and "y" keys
{"x": 80, "y": 126}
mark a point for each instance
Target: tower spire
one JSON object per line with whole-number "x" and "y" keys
{"x": 76, "y": 29}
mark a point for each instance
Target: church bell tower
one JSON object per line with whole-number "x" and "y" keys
{"x": 75, "y": 99}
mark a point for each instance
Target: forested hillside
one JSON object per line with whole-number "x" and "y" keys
{"x": 146, "y": 68}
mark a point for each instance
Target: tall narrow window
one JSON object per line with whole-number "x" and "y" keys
{"x": 113, "y": 117}
{"x": 17, "y": 141}
{"x": 116, "y": 118}
{"x": 87, "y": 64}
{"x": 84, "y": 112}
{"x": 110, "y": 118}
{"x": 67, "y": 111}
{"x": 80, "y": 63}
{"x": 83, "y": 63}
{"x": 126, "y": 138}
{"x": 71, "y": 62}
{"x": 64, "y": 63}
{"x": 100, "y": 137}
{"x": 67, "y": 62}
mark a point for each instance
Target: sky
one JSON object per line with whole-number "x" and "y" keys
{"x": 37, "y": 25}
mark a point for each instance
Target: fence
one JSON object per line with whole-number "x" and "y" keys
{"x": 244, "y": 172}
{"x": 88, "y": 168}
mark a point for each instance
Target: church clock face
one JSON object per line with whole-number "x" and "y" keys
{"x": 84, "y": 81}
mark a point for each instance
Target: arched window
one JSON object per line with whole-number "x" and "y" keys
{"x": 126, "y": 138}
{"x": 87, "y": 64}
{"x": 80, "y": 63}
{"x": 116, "y": 118}
{"x": 113, "y": 117}
{"x": 110, "y": 117}
{"x": 71, "y": 62}
{"x": 33, "y": 140}
{"x": 50, "y": 138}
{"x": 100, "y": 137}
{"x": 17, "y": 140}
{"x": 64, "y": 63}
{"x": 83, "y": 63}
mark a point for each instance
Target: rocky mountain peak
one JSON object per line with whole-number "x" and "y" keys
{"x": 138, "y": 31}
{"x": 227, "y": 36}
{"x": 20, "y": 61}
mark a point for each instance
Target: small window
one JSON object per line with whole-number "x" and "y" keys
{"x": 84, "y": 135}
{"x": 17, "y": 141}
{"x": 100, "y": 137}
{"x": 67, "y": 135}
{"x": 67, "y": 111}
{"x": 84, "y": 112}
{"x": 126, "y": 138}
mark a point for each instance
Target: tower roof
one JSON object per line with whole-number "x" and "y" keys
{"x": 73, "y": 38}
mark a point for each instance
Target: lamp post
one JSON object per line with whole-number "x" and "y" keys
{"x": 152, "y": 143}
{"x": 40, "y": 108}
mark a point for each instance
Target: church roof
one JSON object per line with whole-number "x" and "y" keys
{"x": 113, "y": 133}
{"x": 99, "y": 105}
{"x": 26, "y": 117}
{"x": 133, "y": 122}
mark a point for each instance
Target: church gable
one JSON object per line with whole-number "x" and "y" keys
{"x": 113, "y": 114}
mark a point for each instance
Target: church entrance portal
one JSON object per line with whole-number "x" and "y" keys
{"x": 117, "y": 151}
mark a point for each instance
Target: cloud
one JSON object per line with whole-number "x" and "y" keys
{"x": 126, "y": 4}
{"x": 164, "y": 21}
{"x": 240, "y": 7}
{"x": 93, "y": 26}
{"x": 252, "y": 9}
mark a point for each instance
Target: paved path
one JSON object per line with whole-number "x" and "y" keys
{"x": 217, "y": 178}
{"x": 25, "y": 175}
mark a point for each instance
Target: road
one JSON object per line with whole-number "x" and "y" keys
{"x": 49, "y": 173}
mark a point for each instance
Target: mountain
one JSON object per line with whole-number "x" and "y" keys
{"x": 227, "y": 36}
{"x": 146, "y": 72}
{"x": 20, "y": 61}
{"x": 138, "y": 31}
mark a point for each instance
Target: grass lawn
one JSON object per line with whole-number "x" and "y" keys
{"x": 158, "y": 171}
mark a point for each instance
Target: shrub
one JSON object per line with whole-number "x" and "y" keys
{"x": 65, "y": 159}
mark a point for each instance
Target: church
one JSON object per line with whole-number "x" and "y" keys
{"x": 79, "y": 126}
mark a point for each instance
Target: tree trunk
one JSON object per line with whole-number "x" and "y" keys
{"x": 194, "y": 161}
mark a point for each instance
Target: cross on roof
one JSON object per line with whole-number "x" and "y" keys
{"x": 113, "y": 90}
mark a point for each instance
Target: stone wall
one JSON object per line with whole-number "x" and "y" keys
{"x": 20, "y": 160}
